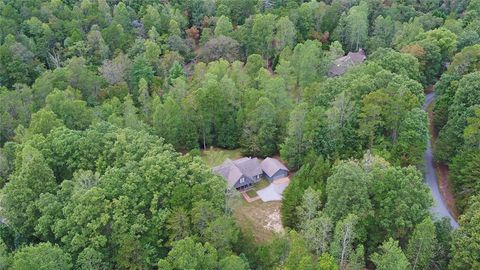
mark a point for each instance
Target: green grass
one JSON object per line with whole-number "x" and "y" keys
{"x": 252, "y": 193}
{"x": 262, "y": 184}
{"x": 216, "y": 156}
{"x": 252, "y": 217}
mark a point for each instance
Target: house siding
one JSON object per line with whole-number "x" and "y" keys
{"x": 279, "y": 174}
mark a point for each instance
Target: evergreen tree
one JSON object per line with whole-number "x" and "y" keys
{"x": 422, "y": 244}
{"x": 260, "y": 133}
{"x": 391, "y": 257}
{"x": 293, "y": 150}
{"x": 465, "y": 242}
{"x": 130, "y": 114}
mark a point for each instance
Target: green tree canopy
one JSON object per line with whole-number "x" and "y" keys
{"x": 41, "y": 256}
{"x": 390, "y": 257}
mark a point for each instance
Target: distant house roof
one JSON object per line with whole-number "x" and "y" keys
{"x": 271, "y": 166}
{"x": 340, "y": 65}
{"x": 233, "y": 170}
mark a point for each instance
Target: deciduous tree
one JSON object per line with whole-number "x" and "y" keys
{"x": 41, "y": 256}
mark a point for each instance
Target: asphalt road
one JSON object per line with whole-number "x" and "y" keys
{"x": 439, "y": 210}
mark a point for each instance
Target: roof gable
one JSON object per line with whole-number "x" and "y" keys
{"x": 271, "y": 166}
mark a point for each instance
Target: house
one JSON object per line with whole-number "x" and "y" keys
{"x": 341, "y": 65}
{"x": 241, "y": 173}
{"x": 273, "y": 169}
{"x": 245, "y": 172}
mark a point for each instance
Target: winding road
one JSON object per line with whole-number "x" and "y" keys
{"x": 439, "y": 210}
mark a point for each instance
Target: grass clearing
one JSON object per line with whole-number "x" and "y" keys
{"x": 216, "y": 156}
{"x": 261, "y": 218}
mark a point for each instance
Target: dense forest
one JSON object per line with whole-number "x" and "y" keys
{"x": 107, "y": 105}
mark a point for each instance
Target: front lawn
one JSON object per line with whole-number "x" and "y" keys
{"x": 252, "y": 193}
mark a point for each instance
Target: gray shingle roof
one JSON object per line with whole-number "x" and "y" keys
{"x": 340, "y": 65}
{"x": 232, "y": 171}
{"x": 249, "y": 166}
{"x": 270, "y": 166}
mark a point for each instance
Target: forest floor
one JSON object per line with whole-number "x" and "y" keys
{"x": 442, "y": 171}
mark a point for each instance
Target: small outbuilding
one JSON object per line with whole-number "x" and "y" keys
{"x": 273, "y": 169}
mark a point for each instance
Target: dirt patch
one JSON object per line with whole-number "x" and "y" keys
{"x": 282, "y": 180}
{"x": 263, "y": 219}
{"x": 274, "y": 222}
{"x": 446, "y": 188}
{"x": 429, "y": 89}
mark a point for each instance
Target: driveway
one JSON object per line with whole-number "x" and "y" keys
{"x": 274, "y": 191}
{"x": 439, "y": 209}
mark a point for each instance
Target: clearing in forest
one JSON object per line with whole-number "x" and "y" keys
{"x": 262, "y": 219}
{"x": 215, "y": 156}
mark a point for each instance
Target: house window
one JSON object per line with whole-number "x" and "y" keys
{"x": 242, "y": 180}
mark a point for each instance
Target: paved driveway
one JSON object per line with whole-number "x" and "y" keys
{"x": 274, "y": 191}
{"x": 440, "y": 209}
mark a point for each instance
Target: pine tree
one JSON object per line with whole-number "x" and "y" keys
{"x": 391, "y": 257}
{"x": 422, "y": 245}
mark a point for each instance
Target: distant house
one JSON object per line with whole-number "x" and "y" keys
{"x": 240, "y": 173}
{"x": 245, "y": 172}
{"x": 341, "y": 65}
{"x": 273, "y": 169}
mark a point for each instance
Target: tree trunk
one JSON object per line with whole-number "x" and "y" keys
{"x": 204, "y": 142}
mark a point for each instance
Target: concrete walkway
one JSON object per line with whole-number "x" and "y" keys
{"x": 248, "y": 198}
